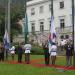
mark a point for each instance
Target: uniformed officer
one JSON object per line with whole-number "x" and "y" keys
{"x": 69, "y": 49}
{"x": 53, "y": 53}
{"x": 12, "y": 51}
{"x": 27, "y": 48}
{"x": 20, "y": 51}
{"x": 1, "y": 52}
{"x": 46, "y": 52}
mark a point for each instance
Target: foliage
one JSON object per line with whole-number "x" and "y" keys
{"x": 37, "y": 50}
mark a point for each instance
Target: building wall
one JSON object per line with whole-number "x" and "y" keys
{"x": 65, "y": 13}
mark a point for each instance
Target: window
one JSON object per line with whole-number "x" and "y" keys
{"x": 62, "y": 23}
{"x": 32, "y": 11}
{"x": 61, "y": 37}
{"x": 62, "y": 4}
{"x": 67, "y": 36}
{"x": 41, "y": 9}
{"x": 33, "y": 27}
{"x": 41, "y": 26}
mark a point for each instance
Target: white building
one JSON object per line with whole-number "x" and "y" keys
{"x": 39, "y": 15}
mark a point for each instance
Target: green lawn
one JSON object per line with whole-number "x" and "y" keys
{"x": 28, "y": 69}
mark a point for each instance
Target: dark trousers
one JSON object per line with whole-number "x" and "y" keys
{"x": 27, "y": 58}
{"x": 12, "y": 57}
{"x": 20, "y": 57}
{"x": 6, "y": 54}
{"x": 62, "y": 48}
{"x": 68, "y": 60}
{"x": 53, "y": 59}
{"x": 47, "y": 58}
{"x": 2, "y": 56}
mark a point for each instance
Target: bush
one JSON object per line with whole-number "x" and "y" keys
{"x": 37, "y": 50}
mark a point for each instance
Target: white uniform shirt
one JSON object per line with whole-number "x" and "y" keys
{"x": 63, "y": 42}
{"x": 27, "y": 48}
{"x": 12, "y": 50}
{"x": 53, "y": 50}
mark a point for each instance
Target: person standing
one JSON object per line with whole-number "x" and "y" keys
{"x": 12, "y": 51}
{"x": 27, "y": 48}
{"x": 20, "y": 52}
{"x": 69, "y": 49}
{"x": 46, "y": 52}
{"x": 1, "y": 52}
{"x": 63, "y": 43}
{"x": 53, "y": 53}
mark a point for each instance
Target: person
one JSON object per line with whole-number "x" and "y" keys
{"x": 27, "y": 48}
{"x": 53, "y": 53}
{"x": 62, "y": 44}
{"x": 46, "y": 52}
{"x": 1, "y": 52}
{"x": 69, "y": 49}
{"x": 20, "y": 52}
{"x": 12, "y": 51}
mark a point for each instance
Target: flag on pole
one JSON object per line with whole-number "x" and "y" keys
{"x": 6, "y": 40}
{"x": 52, "y": 35}
{"x": 26, "y": 28}
{"x": 52, "y": 30}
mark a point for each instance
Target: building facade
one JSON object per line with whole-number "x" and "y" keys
{"x": 39, "y": 19}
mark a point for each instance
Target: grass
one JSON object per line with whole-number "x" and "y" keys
{"x": 28, "y": 69}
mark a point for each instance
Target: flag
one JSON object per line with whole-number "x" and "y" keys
{"x": 6, "y": 40}
{"x": 52, "y": 30}
{"x": 52, "y": 34}
{"x": 26, "y": 28}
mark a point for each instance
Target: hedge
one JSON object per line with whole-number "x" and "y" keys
{"x": 37, "y": 50}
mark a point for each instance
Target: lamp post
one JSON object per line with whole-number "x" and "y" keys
{"x": 73, "y": 25}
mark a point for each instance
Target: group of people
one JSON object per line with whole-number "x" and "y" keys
{"x": 27, "y": 50}
{"x": 50, "y": 55}
{"x": 20, "y": 49}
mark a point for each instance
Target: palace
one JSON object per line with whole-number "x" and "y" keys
{"x": 39, "y": 19}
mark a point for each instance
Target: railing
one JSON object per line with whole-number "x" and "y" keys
{"x": 64, "y": 30}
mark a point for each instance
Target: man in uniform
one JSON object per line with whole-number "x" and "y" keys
{"x": 46, "y": 52}
{"x": 69, "y": 49}
{"x": 27, "y": 48}
{"x": 20, "y": 52}
{"x": 1, "y": 52}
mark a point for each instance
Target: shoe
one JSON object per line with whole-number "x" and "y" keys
{"x": 66, "y": 65}
{"x": 70, "y": 65}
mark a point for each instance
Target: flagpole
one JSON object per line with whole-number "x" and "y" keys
{"x": 52, "y": 13}
{"x": 26, "y": 24}
{"x": 5, "y": 18}
{"x": 73, "y": 17}
{"x": 9, "y": 18}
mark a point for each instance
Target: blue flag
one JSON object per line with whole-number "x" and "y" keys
{"x": 52, "y": 35}
{"x": 6, "y": 40}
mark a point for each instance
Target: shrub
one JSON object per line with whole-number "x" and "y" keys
{"x": 37, "y": 50}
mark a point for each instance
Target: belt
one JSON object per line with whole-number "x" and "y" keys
{"x": 27, "y": 49}
{"x": 53, "y": 51}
